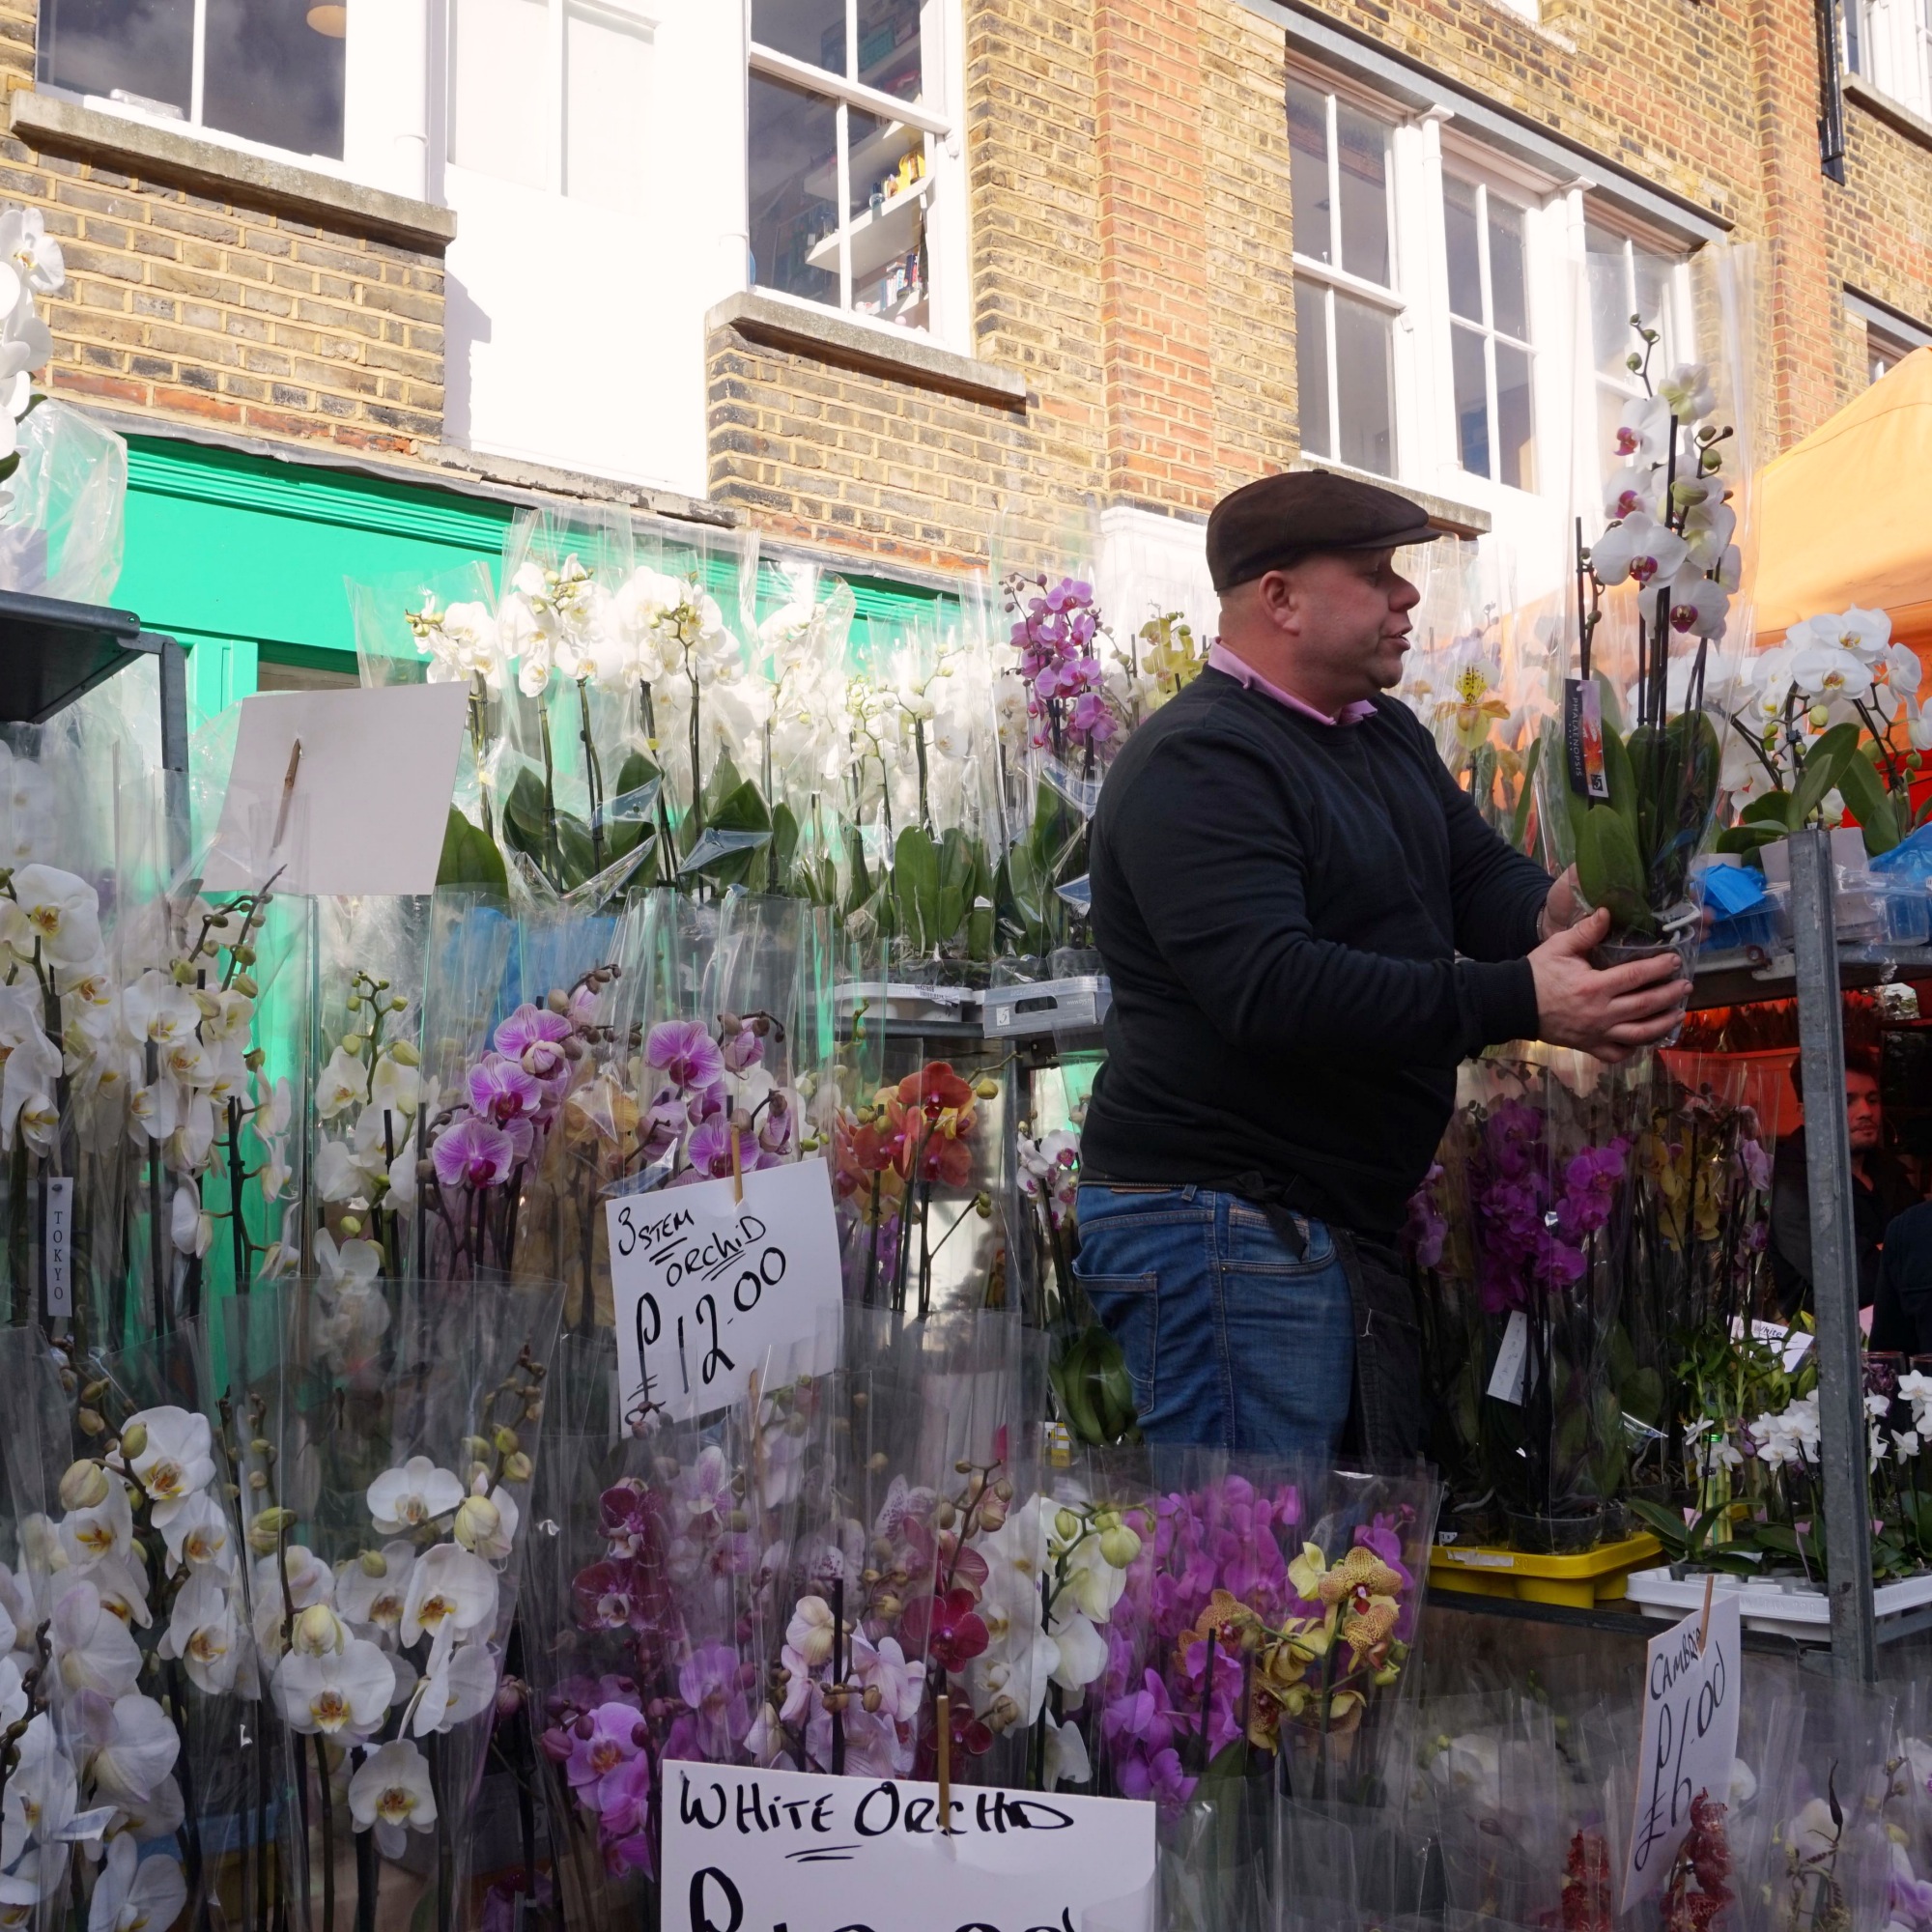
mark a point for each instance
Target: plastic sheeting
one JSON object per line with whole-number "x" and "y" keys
{"x": 63, "y": 532}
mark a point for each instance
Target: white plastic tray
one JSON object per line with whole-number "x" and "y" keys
{"x": 1798, "y": 1612}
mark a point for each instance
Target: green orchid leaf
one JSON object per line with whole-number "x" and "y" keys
{"x": 916, "y": 886}
{"x": 782, "y": 853}
{"x": 1771, "y": 809}
{"x": 1824, "y": 766}
{"x": 469, "y": 857}
{"x": 1870, "y": 804}
{"x": 1610, "y": 872}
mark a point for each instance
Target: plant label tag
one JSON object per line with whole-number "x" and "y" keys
{"x": 1512, "y": 1369}
{"x": 711, "y": 1290}
{"x": 57, "y": 1245}
{"x": 747, "y": 1850}
{"x": 1584, "y": 737}
{"x": 1692, "y": 1695}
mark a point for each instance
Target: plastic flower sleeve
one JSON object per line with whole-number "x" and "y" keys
{"x": 389, "y": 1475}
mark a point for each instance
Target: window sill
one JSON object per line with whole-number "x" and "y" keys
{"x": 826, "y": 336}
{"x": 1446, "y": 514}
{"x": 1899, "y": 117}
{"x": 44, "y": 121}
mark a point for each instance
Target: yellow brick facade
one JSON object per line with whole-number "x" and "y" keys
{"x": 1131, "y": 254}
{"x": 227, "y": 309}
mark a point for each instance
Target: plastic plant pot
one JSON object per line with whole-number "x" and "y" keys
{"x": 1683, "y": 934}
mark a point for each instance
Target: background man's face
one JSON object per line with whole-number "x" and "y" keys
{"x": 1863, "y": 1118}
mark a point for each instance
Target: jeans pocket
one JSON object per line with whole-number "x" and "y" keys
{"x": 1127, "y": 1306}
{"x": 1250, "y": 1245}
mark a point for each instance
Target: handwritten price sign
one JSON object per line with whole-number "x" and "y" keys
{"x": 1690, "y": 1702}
{"x": 709, "y": 1289}
{"x": 775, "y": 1851}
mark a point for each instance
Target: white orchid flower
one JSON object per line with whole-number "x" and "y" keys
{"x": 1066, "y": 1757}
{"x": 1688, "y": 392}
{"x": 341, "y": 1693}
{"x": 341, "y": 1083}
{"x": 155, "y": 1008}
{"x": 1083, "y": 1651}
{"x": 92, "y": 1649}
{"x": 1644, "y": 431}
{"x": 175, "y": 1461}
{"x": 486, "y": 1524}
{"x": 449, "y": 1589}
{"x": 159, "y": 1815}
{"x": 132, "y": 1745}
{"x": 197, "y": 1537}
{"x": 461, "y": 1683}
{"x": 32, "y": 254}
{"x": 392, "y": 1792}
{"x": 106, "y": 1529}
{"x": 189, "y": 1228}
{"x": 414, "y": 1494}
{"x": 52, "y": 915}
{"x": 1698, "y": 607}
{"x": 205, "y": 1634}
{"x": 123, "y": 1587}
{"x": 136, "y": 1895}
{"x": 375, "y": 1587}
{"x": 1828, "y": 673}
{"x": 1630, "y": 490}
{"x": 1639, "y": 548}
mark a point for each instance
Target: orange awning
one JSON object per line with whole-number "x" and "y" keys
{"x": 1845, "y": 517}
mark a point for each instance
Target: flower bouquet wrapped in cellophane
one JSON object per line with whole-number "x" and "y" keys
{"x": 1824, "y": 1850}
{"x": 388, "y": 1451}
{"x": 1544, "y": 1173}
{"x": 1658, "y": 626}
{"x": 657, "y": 1610}
{"x": 147, "y": 1669}
{"x": 364, "y": 1143}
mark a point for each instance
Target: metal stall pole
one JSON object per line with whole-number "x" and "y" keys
{"x": 1835, "y": 1262}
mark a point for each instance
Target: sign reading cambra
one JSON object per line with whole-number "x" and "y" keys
{"x": 778, "y": 1851}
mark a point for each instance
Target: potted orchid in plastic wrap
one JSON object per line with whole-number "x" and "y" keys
{"x": 1641, "y": 772}
{"x": 388, "y": 1487}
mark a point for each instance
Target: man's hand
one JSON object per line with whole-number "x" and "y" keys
{"x": 1612, "y": 1013}
{"x": 1564, "y": 906}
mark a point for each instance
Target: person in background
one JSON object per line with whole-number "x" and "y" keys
{"x": 1308, "y": 926}
{"x": 1879, "y": 1191}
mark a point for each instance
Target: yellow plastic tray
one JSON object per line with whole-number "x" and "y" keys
{"x": 1598, "y": 1577}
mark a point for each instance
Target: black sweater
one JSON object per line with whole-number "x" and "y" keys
{"x": 1281, "y": 904}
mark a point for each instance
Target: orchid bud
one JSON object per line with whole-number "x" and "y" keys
{"x": 1119, "y": 1546}
{"x": 872, "y": 1699}
{"x": 517, "y": 1467}
{"x": 1067, "y": 1525}
{"x": 1820, "y": 716}
{"x": 992, "y": 1512}
{"x": 258, "y": 1480}
{"x": 91, "y": 1421}
{"x": 887, "y": 1607}
{"x": 479, "y": 1521}
{"x": 320, "y": 1632}
{"x": 373, "y": 1563}
{"x": 84, "y": 1486}
{"x": 404, "y": 1054}
{"x": 506, "y": 1443}
{"x": 510, "y": 1694}
{"x": 352, "y": 1224}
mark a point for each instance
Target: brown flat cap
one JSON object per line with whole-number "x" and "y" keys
{"x": 1267, "y": 525}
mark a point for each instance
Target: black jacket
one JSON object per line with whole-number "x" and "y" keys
{"x": 1281, "y": 905}
{"x": 1902, "y": 1318}
{"x": 1874, "y": 1203}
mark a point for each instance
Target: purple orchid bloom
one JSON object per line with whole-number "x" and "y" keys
{"x": 1158, "y": 1776}
{"x": 602, "y": 1740}
{"x": 685, "y": 1054}
{"x": 534, "y": 1036}
{"x": 472, "y": 1152}
{"x": 501, "y": 1092}
{"x": 709, "y": 1151}
{"x": 745, "y": 1048}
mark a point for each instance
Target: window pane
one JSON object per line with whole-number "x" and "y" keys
{"x": 501, "y": 45}
{"x": 1365, "y": 385}
{"x": 1652, "y": 274}
{"x": 890, "y": 188}
{"x": 1364, "y": 146}
{"x": 1465, "y": 264}
{"x": 794, "y": 190}
{"x": 270, "y": 76}
{"x": 1308, "y": 172}
{"x": 1509, "y": 273}
{"x": 1311, "y": 367}
{"x": 1608, "y": 269}
{"x": 139, "y": 47}
{"x": 606, "y": 81}
{"x": 809, "y": 30}
{"x": 1472, "y": 400}
{"x": 889, "y": 49}
{"x": 1516, "y": 418}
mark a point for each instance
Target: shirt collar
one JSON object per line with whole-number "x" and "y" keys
{"x": 1220, "y": 657}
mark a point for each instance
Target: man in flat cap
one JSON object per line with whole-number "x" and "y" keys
{"x": 1308, "y": 926}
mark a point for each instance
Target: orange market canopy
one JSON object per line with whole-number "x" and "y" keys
{"x": 1845, "y": 515}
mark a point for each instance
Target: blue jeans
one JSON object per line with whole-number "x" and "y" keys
{"x": 1231, "y": 1341}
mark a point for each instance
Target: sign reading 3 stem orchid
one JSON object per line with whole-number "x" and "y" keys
{"x": 712, "y": 1289}
{"x": 748, "y": 1850}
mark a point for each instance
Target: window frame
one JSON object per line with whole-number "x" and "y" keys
{"x": 1481, "y": 178}
{"x": 1681, "y": 344}
{"x": 941, "y": 190}
{"x": 1333, "y": 279}
{"x": 1884, "y": 53}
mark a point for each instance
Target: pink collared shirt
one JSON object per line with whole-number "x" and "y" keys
{"x": 1220, "y": 657}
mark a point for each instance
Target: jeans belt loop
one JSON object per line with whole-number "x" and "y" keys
{"x": 1189, "y": 1193}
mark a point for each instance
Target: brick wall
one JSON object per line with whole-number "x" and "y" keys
{"x": 222, "y": 308}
